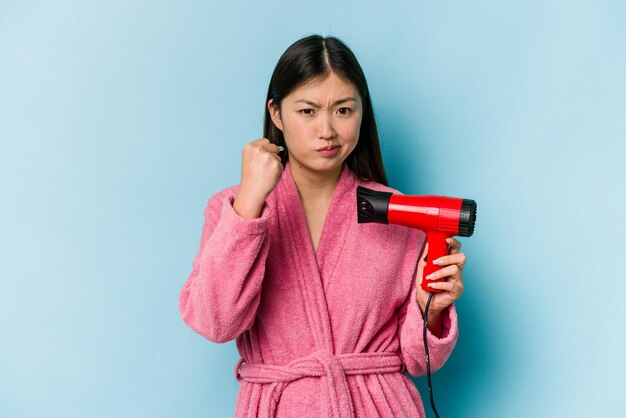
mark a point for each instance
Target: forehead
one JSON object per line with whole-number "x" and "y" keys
{"x": 329, "y": 87}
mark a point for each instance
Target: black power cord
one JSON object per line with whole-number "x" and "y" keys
{"x": 430, "y": 386}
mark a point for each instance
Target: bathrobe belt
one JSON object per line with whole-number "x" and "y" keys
{"x": 332, "y": 369}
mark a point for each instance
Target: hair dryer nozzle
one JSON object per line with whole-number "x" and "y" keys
{"x": 372, "y": 205}
{"x": 467, "y": 218}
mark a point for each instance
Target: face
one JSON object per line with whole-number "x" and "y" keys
{"x": 320, "y": 121}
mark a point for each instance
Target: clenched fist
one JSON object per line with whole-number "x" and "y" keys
{"x": 260, "y": 171}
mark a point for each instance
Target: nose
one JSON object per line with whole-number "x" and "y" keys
{"x": 326, "y": 130}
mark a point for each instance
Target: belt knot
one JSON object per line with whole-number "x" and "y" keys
{"x": 332, "y": 369}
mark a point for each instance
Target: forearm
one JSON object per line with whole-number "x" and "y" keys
{"x": 222, "y": 293}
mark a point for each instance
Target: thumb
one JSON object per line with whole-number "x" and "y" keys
{"x": 420, "y": 294}
{"x": 423, "y": 258}
{"x": 419, "y": 276}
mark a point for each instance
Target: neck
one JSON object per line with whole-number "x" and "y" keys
{"x": 313, "y": 186}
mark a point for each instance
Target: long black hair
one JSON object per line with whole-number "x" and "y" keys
{"x": 315, "y": 57}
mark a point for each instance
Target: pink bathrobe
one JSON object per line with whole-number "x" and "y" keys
{"x": 320, "y": 335}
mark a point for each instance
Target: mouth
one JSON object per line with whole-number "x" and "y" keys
{"x": 328, "y": 148}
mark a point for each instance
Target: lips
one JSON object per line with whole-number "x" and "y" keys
{"x": 328, "y": 148}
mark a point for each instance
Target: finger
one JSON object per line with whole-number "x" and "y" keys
{"x": 276, "y": 149}
{"x": 276, "y": 156}
{"x": 273, "y": 148}
{"x": 446, "y": 260}
{"x": 262, "y": 146}
{"x": 449, "y": 289}
{"x": 455, "y": 245}
{"x": 444, "y": 272}
{"x": 445, "y": 286}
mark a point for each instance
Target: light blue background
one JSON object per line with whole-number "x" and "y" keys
{"x": 119, "y": 119}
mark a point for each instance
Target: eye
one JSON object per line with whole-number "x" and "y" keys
{"x": 306, "y": 111}
{"x": 345, "y": 111}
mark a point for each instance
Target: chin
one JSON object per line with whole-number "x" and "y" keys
{"x": 319, "y": 166}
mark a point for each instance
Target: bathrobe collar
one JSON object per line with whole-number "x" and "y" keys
{"x": 340, "y": 218}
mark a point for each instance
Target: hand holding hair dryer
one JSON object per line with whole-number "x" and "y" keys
{"x": 440, "y": 217}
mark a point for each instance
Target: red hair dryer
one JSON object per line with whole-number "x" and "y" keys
{"x": 439, "y": 216}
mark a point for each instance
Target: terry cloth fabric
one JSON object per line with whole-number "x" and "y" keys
{"x": 326, "y": 334}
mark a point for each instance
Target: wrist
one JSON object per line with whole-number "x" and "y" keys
{"x": 435, "y": 315}
{"x": 247, "y": 207}
{"x": 435, "y": 322}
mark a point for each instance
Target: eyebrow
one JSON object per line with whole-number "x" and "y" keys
{"x": 345, "y": 99}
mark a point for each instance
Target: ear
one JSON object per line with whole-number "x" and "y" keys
{"x": 275, "y": 114}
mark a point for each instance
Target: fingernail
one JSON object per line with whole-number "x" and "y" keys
{"x": 280, "y": 148}
{"x": 438, "y": 261}
{"x": 430, "y": 276}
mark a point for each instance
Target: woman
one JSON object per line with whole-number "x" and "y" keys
{"x": 326, "y": 312}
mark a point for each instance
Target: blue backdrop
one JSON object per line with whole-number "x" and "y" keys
{"x": 119, "y": 119}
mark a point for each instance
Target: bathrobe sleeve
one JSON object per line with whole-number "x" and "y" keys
{"x": 221, "y": 296}
{"x": 411, "y": 336}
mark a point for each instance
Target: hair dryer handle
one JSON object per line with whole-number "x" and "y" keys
{"x": 437, "y": 247}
